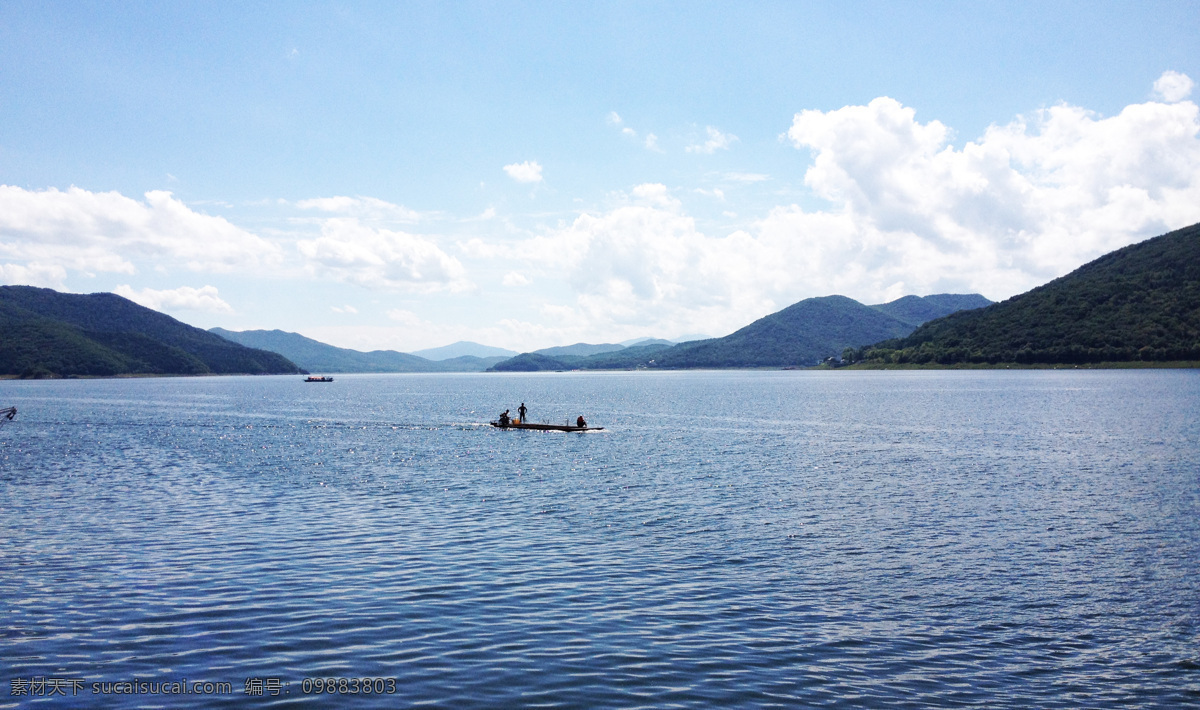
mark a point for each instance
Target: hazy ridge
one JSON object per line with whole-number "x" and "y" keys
{"x": 316, "y": 356}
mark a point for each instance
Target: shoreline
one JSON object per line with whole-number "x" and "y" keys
{"x": 1132, "y": 365}
{"x": 1167, "y": 365}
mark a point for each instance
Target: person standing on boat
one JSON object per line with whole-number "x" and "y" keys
{"x": 521, "y": 413}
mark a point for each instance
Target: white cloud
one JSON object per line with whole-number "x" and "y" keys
{"x": 405, "y": 317}
{"x": 716, "y": 141}
{"x": 361, "y": 207}
{"x": 350, "y": 251}
{"x": 654, "y": 193}
{"x": 513, "y": 278}
{"x": 1024, "y": 203}
{"x": 345, "y": 310}
{"x": 204, "y": 298}
{"x": 652, "y": 143}
{"x": 614, "y": 119}
{"x": 908, "y": 213}
{"x": 34, "y": 274}
{"x": 529, "y": 171}
{"x": 89, "y": 232}
{"x": 716, "y": 193}
{"x": 746, "y": 177}
{"x": 641, "y": 264}
{"x": 1173, "y": 86}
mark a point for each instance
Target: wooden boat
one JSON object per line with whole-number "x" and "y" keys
{"x": 314, "y": 378}
{"x": 546, "y": 427}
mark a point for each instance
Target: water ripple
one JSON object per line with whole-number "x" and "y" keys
{"x": 893, "y": 540}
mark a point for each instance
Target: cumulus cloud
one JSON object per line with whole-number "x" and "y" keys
{"x": 654, "y": 193}
{"x": 639, "y": 264}
{"x": 514, "y": 278}
{"x": 204, "y": 298}
{"x": 361, "y": 207}
{"x": 1173, "y": 86}
{"x": 716, "y": 141}
{"x": 350, "y": 251}
{"x": 529, "y": 171}
{"x": 33, "y": 274}
{"x": 79, "y": 230}
{"x": 1024, "y": 203}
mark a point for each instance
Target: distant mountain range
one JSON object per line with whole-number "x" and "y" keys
{"x": 315, "y": 356}
{"x": 579, "y": 350}
{"x": 800, "y": 335}
{"x": 50, "y": 334}
{"x": 1140, "y": 303}
{"x": 463, "y": 348}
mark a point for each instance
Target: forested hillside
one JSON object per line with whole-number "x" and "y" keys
{"x": 1139, "y": 303}
{"x": 44, "y": 333}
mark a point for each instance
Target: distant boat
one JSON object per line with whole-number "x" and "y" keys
{"x": 6, "y": 415}
{"x": 314, "y": 378}
{"x": 545, "y": 427}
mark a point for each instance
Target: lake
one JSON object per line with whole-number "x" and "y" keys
{"x": 920, "y": 539}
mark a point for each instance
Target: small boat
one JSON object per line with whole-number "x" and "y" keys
{"x": 314, "y": 378}
{"x": 545, "y": 427}
{"x": 7, "y": 415}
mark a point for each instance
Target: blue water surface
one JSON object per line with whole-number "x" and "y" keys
{"x": 731, "y": 539}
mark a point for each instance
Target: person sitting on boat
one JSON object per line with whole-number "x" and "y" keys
{"x": 504, "y": 421}
{"x": 580, "y": 422}
{"x": 521, "y": 412}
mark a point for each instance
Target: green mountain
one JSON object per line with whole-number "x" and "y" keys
{"x": 316, "y": 356}
{"x": 915, "y": 310}
{"x": 529, "y": 362}
{"x": 47, "y": 333}
{"x": 802, "y": 334}
{"x": 1140, "y": 303}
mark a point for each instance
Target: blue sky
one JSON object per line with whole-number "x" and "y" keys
{"x": 405, "y": 175}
